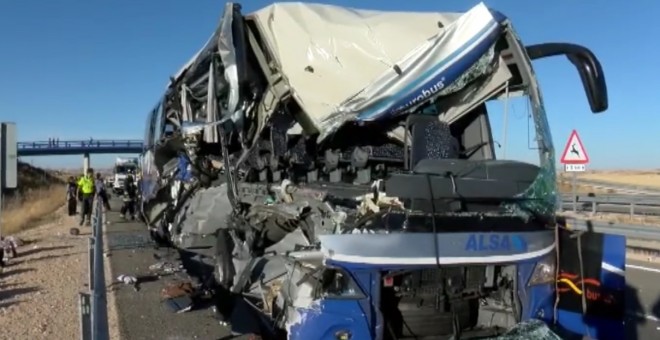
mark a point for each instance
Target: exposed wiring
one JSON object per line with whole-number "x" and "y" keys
{"x": 584, "y": 297}
{"x": 578, "y": 290}
{"x": 515, "y": 299}
{"x": 454, "y": 188}
{"x": 571, "y": 285}
{"x": 556, "y": 306}
{"x": 232, "y": 193}
{"x": 433, "y": 223}
{"x": 455, "y": 322}
{"x": 506, "y": 120}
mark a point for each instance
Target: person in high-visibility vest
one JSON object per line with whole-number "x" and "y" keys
{"x": 87, "y": 190}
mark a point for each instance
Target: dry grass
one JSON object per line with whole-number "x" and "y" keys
{"x": 565, "y": 187}
{"x": 38, "y": 196}
{"x": 643, "y": 178}
{"x": 28, "y": 210}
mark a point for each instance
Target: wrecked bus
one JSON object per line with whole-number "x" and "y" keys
{"x": 337, "y": 169}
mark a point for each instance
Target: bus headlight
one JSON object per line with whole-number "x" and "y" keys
{"x": 544, "y": 271}
{"x": 343, "y": 335}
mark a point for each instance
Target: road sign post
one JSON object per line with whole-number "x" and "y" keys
{"x": 575, "y": 159}
{"x": 8, "y": 161}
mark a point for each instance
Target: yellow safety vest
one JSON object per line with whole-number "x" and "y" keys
{"x": 86, "y": 184}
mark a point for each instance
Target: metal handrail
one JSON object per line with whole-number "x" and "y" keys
{"x": 615, "y": 199}
{"x": 633, "y": 231}
{"x": 93, "y": 304}
{"x": 80, "y": 143}
{"x": 612, "y": 203}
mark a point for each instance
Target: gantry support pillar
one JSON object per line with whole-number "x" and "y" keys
{"x": 85, "y": 163}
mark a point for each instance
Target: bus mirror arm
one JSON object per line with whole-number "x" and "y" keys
{"x": 588, "y": 66}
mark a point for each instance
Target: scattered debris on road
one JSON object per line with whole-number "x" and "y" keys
{"x": 178, "y": 296}
{"x": 166, "y": 267}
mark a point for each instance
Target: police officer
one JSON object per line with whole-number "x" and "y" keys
{"x": 130, "y": 196}
{"x": 86, "y": 185}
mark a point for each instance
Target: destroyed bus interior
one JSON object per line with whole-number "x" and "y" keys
{"x": 263, "y": 143}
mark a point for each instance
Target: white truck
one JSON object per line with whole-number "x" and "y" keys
{"x": 123, "y": 167}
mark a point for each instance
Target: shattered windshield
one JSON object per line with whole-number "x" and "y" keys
{"x": 542, "y": 194}
{"x": 125, "y": 169}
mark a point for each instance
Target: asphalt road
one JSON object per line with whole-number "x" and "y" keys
{"x": 642, "y": 300}
{"x": 143, "y": 316}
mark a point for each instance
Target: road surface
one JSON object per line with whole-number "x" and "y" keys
{"x": 143, "y": 316}
{"x": 642, "y": 300}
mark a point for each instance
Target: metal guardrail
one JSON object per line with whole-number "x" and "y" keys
{"x": 93, "y": 304}
{"x": 633, "y": 231}
{"x": 612, "y": 203}
{"x": 81, "y": 144}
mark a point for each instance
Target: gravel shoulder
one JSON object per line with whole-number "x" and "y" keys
{"x": 39, "y": 289}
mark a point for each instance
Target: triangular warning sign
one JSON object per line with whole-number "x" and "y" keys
{"x": 574, "y": 152}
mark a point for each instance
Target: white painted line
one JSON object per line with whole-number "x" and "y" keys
{"x": 613, "y": 269}
{"x": 646, "y": 269}
{"x": 644, "y": 316}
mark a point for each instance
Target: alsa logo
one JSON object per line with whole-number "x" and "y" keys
{"x": 430, "y": 89}
{"x": 496, "y": 242}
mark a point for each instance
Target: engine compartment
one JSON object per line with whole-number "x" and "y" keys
{"x": 475, "y": 301}
{"x": 470, "y": 302}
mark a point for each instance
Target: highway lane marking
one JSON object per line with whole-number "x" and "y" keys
{"x": 644, "y": 316}
{"x": 612, "y": 268}
{"x": 646, "y": 269}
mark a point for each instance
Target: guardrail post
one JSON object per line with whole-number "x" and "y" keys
{"x": 93, "y": 221}
{"x": 85, "y": 316}
{"x": 90, "y": 258}
{"x": 574, "y": 203}
{"x": 632, "y": 209}
{"x": 593, "y": 207}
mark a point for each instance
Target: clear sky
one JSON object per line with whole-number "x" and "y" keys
{"x": 74, "y": 69}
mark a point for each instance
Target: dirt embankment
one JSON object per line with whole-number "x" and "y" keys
{"x": 39, "y": 194}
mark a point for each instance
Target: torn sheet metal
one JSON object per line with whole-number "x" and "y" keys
{"x": 211, "y": 210}
{"x": 227, "y": 53}
{"x": 367, "y": 65}
{"x": 532, "y": 329}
